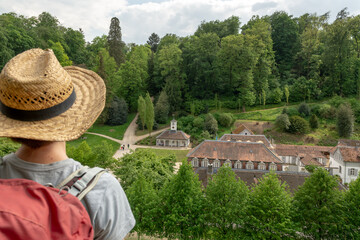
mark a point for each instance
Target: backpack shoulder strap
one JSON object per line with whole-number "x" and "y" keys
{"x": 82, "y": 181}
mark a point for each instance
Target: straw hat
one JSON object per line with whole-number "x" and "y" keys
{"x": 41, "y": 100}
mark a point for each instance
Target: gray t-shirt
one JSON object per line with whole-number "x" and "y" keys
{"x": 106, "y": 203}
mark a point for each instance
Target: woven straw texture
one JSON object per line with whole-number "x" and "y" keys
{"x": 44, "y": 83}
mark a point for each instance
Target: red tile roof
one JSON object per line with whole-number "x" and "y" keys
{"x": 241, "y": 128}
{"x": 245, "y": 138}
{"x": 350, "y": 154}
{"x": 245, "y": 151}
{"x": 297, "y": 150}
{"x": 171, "y": 134}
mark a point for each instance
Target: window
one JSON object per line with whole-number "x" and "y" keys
{"x": 249, "y": 165}
{"x": 273, "y": 167}
{"x": 283, "y": 159}
{"x": 216, "y": 163}
{"x": 262, "y": 166}
{"x": 228, "y": 163}
{"x": 353, "y": 172}
{"x": 238, "y": 164}
{"x": 205, "y": 162}
{"x": 293, "y": 160}
{"x": 339, "y": 169}
{"x": 195, "y": 162}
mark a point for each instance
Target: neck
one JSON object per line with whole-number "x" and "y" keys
{"x": 49, "y": 153}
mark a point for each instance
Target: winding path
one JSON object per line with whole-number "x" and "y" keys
{"x": 130, "y": 138}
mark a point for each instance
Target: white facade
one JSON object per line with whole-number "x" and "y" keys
{"x": 347, "y": 171}
{"x": 245, "y": 132}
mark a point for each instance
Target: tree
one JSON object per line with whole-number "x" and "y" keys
{"x": 282, "y": 122}
{"x": 75, "y": 40}
{"x": 117, "y": 112}
{"x": 298, "y": 125}
{"x": 345, "y": 121}
{"x": 155, "y": 169}
{"x": 153, "y": 41}
{"x": 211, "y": 125}
{"x": 352, "y": 210}
{"x": 116, "y": 45}
{"x": 60, "y": 53}
{"x": 182, "y": 205}
{"x": 313, "y": 121}
{"x": 143, "y": 200}
{"x": 286, "y": 42}
{"x": 222, "y": 29}
{"x": 162, "y": 108}
{"x": 317, "y": 206}
{"x": 225, "y": 119}
{"x": 142, "y": 110}
{"x": 226, "y": 201}
{"x": 286, "y": 92}
{"x": 149, "y": 115}
{"x": 268, "y": 215}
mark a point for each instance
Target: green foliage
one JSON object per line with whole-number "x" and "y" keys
{"x": 153, "y": 41}
{"x": 155, "y": 169}
{"x": 282, "y": 122}
{"x": 268, "y": 214}
{"x": 226, "y": 119}
{"x": 317, "y": 206}
{"x": 210, "y": 124}
{"x": 143, "y": 200}
{"x": 162, "y": 108}
{"x": 229, "y": 26}
{"x": 352, "y": 210}
{"x": 142, "y": 110}
{"x": 298, "y": 125}
{"x": 304, "y": 109}
{"x": 182, "y": 205}
{"x": 226, "y": 201}
{"x": 198, "y": 122}
{"x": 7, "y": 146}
{"x": 98, "y": 156}
{"x": 149, "y": 113}
{"x": 60, "y": 53}
{"x": 117, "y": 112}
{"x": 287, "y": 93}
{"x": 313, "y": 121}
{"x": 345, "y": 121}
{"x": 116, "y": 45}
{"x": 275, "y": 96}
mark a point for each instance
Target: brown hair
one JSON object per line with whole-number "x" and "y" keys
{"x": 30, "y": 142}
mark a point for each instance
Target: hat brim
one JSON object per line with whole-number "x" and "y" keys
{"x": 90, "y": 101}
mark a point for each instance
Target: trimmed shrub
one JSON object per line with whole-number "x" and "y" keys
{"x": 282, "y": 122}
{"x": 304, "y": 109}
{"x": 345, "y": 121}
{"x": 291, "y": 111}
{"x": 313, "y": 121}
{"x": 225, "y": 119}
{"x": 211, "y": 125}
{"x": 298, "y": 125}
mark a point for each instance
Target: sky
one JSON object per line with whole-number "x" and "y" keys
{"x": 140, "y": 18}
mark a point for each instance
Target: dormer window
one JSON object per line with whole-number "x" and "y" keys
{"x": 238, "y": 164}
{"x": 205, "y": 162}
{"x": 228, "y": 163}
{"x": 250, "y": 165}
{"x": 216, "y": 163}
{"x": 262, "y": 166}
{"x": 273, "y": 167}
{"x": 195, "y": 162}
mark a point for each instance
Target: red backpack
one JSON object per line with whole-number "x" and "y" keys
{"x": 29, "y": 210}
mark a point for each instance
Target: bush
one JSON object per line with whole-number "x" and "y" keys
{"x": 345, "y": 121}
{"x": 298, "y": 125}
{"x": 291, "y": 111}
{"x": 304, "y": 109}
{"x": 211, "y": 124}
{"x": 282, "y": 122}
{"x": 313, "y": 121}
{"x": 198, "y": 123}
{"x": 225, "y": 119}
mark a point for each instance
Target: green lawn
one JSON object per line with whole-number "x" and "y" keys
{"x": 263, "y": 115}
{"x": 93, "y": 140}
{"x": 112, "y": 131}
{"x": 179, "y": 154}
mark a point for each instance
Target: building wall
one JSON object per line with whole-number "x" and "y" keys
{"x": 245, "y": 132}
{"x": 172, "y": 143}
{"x": 342, "y": 169}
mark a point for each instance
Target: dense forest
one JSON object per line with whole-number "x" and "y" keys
{"x": 267, "y": 60}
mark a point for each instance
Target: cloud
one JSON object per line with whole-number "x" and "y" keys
{"x": 263, "y": 5}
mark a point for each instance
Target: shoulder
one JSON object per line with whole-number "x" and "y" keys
{"x": 109, "y": 209}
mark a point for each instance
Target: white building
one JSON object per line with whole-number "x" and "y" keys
{"x": 345, "y": 160}
{"x": 173, "y": 137}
